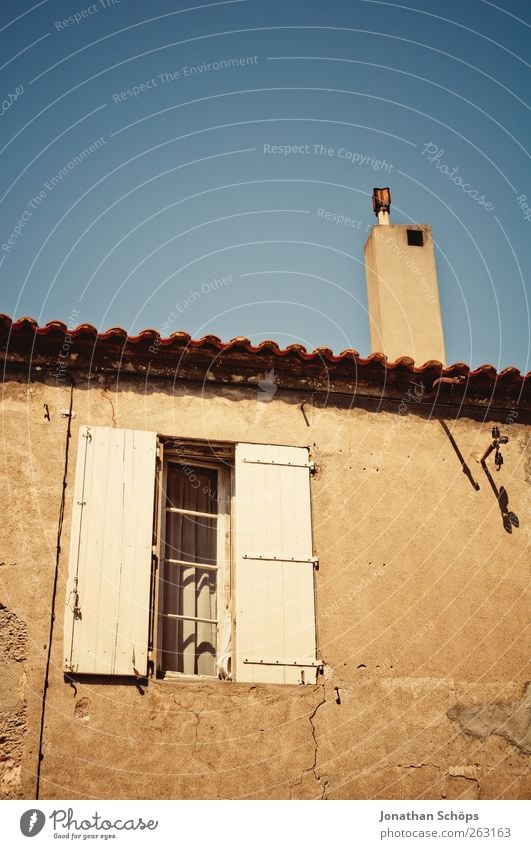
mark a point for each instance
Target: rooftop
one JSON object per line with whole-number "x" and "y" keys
{"x": 54, "y": 349}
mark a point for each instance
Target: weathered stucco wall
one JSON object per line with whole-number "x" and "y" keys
{"x": 421, "y": 602}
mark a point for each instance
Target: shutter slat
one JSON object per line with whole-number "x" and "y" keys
{"x": 275, "y": 611}
{"x": 110, "y": 552}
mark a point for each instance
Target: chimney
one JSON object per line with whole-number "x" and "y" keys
{"x": 403, "y": 293}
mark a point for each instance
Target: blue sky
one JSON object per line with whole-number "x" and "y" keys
{"x": 165, "y": 164}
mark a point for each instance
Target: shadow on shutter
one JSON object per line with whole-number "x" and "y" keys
{"x": 109, "y": 570}
{"x": 275, "y": 609}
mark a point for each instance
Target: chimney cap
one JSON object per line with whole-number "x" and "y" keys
{"x": 381, "y": 200}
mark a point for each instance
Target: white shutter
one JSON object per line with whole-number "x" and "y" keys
{"x": 109, "y": 574}
{"x": 275, "y": 609}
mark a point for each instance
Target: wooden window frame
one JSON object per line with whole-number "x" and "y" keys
{"x": 198, "y": 454}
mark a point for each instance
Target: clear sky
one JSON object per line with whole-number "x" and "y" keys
{"x": 169, "y": 164}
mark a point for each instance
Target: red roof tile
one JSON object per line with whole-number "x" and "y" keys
{"x": 23, "y": 340}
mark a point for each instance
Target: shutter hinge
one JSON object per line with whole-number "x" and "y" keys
{"x": 314, "y": 664}
{"x": 279, "y": 559}
{"x": 310, "y": 466}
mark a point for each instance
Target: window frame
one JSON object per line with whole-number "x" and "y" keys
{"x": 199, "y": 458}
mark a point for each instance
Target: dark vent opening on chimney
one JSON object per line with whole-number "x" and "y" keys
{"x": 415, "y": 237}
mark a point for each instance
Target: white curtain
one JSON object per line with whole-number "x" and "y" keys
{"x": 191, "y": 591}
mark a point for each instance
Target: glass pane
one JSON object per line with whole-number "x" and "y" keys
{"x": 189, "y": 591}
{"x": 189, "y": 647}
{"x": 192, "y": 488}
{"x": 191, "y": 538}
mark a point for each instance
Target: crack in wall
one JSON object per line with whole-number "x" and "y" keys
{"x": 319, "y": 777}
{"x": 450, "y": 774}
{"x": 196, "y": 714}
{"x": 105, "y": 394}
{"x": 418, "y": 766}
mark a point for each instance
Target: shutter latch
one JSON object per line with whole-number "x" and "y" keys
{"x": 76, "y": 610}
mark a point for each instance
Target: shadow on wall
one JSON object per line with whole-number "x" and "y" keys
{"x": 509, "y": 519}
{"x": 464, "y": 466}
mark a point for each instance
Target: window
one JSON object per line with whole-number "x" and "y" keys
{"x": 191, "y": 589}
{"x": 415, "y": 238}
{"x": 188, "y": 561}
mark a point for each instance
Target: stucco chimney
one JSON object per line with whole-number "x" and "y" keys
{"x": 403, "y": 293}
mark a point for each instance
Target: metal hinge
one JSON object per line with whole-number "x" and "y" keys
{"x": 315, "y": 664}
{"x": 314, "y": 560}
{"x": 310, "y": 466}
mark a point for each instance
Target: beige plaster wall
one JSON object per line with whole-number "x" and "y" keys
{"x": 421, "y": 601}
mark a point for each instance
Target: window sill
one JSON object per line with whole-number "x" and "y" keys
{"x": 175, "y": 677}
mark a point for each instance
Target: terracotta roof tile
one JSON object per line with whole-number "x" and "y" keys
{"x": 25, "y": 340}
